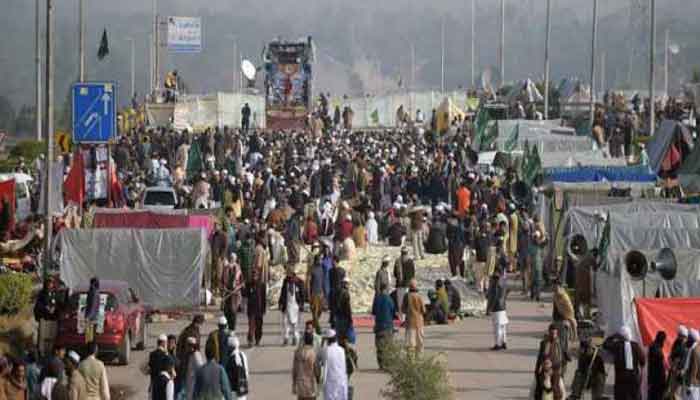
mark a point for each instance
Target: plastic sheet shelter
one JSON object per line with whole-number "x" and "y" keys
{"x": 689, "y": 173}
{"x": 646, "y": 227}
{"x": 165, "y": 267}
{"x": 671, "y": 137}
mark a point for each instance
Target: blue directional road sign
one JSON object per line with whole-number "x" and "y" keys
{"x": 94, "y": 112}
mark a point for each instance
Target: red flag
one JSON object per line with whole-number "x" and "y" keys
{"x": 7, "y": 194}
{"x": 117, "y": 191}
{"x": 74, "y": 185}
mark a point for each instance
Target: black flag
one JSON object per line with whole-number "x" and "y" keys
{"x": 104, "y": 47}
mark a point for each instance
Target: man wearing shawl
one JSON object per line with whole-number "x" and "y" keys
{"x": 629, "y": 361}
{"x": 550, "y": 349}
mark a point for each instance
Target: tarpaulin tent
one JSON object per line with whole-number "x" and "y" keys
{"x": 646, "y": 227}
{"x": 600, "y": 174}
{"x": 669, "y": 133}
{"x": 689, "y": 172}
{"x": 164, "y": 266}
{"x": 139, "y": 219}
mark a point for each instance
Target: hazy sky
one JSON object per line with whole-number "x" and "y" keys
{"x": 366, "y": 38}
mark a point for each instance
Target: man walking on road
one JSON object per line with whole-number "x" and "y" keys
{"x": 336, "y": 379}
{"x": 404, "y": 271}
{"x": 93, "y": 370}
{"x": 257, "y": 303}
{"x": 414, "y": 308}
{"x": 496, "y": 305}
{"x": 384, "y": 311}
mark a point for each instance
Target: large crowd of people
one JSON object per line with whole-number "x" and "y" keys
{"x": 318, "y": 195}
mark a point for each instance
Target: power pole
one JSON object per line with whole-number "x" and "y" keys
{"x": 602, "y": 73}
{"x": 652, "y": 106}
{"x": 442, "y": 57}
{"x": 235, "y": 66}
{"x": 413, "y": 76}
{"x": 546, "y": 60}
{"x": 133, "y": 66}
{"x": 502, "y": 56}
{"x": 48, "y": 178}
{"x": 666, "y": 57}
{"x": 37, "y": 64}
{"x": 593, "y": 62}
{"x": 473, "y": 39}
{"x": 156, "y": 44}
{"x": 81, "y": 41}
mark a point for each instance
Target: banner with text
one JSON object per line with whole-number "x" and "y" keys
{"x": 184, "y": 35}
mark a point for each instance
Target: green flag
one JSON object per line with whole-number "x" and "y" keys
{"x": 480, "y": 123}
{"x": 604, "y": 242}
{"x": 375, "y": 117}
{"x": 103, "y": 51}
{"x": 194, "y": 160}
{"x": 512, "y": 140}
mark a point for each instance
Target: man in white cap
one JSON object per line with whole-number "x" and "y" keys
{"x": 679, "y": 352}
{"x": 157, "y": 358}
{"x": 404, "y": 271}
{"x": 218, "y": 341}
{"x": 372, "y": 229}
{"x": 335, "y": 379}
{"x": 237, "y": 369}
{"x": 190, "y": 363}
{"x": 629, "y": 360}
{"x": 693, "y": 338}
{"x": 290, "y": 302}
{"x": 692, "y": 368}
{"x": 73, "y": 383}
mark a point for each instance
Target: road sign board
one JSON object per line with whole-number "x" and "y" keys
{"x": 94, "y": 112}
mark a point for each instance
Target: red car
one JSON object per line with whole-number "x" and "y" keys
{"x": 124, "y": 321}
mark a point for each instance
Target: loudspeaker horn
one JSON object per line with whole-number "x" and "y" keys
{"x": 577, "y": 247}
{"x": 665, "y": 264}
{"x": 636, "y": 265}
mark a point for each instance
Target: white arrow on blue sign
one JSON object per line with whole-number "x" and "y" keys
{"x": 94, "y": 112}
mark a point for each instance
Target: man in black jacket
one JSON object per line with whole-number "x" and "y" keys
{"x": 291, "y": 301}
{"x": 257, "y": 304}
{"x": 46, "y": 313}
{"x": 496, "y": 306}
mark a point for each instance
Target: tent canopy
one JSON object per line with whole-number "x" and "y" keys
{"x": 689, "y": 172}
{"x": 163, "y": 266}
{"x": 669, "y": 132}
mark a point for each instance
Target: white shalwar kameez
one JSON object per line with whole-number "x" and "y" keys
{"x": 290, "y": 319}
{"x": 336, "y": 378}
{"x": 372, "y": 229}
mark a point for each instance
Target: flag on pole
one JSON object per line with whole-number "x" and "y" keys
{"x": 103, "y": 51}
{"x": 400, "y": 82}
{"x": 74, "y": 185}
{"x": 512, "y": 140}
{"x": 604, "y": 242}
{"x": 480, "y": 123}
{"x": 194, "y": 160}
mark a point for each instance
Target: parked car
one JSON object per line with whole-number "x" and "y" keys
{"x": 159, "y": 198}
{"x": 123, "y": 326}
{"x": 23, "y": 205}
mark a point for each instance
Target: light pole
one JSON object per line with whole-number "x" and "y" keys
{"x": 133, "y": 66}
{"x": 37, "y": 65}
{"x": 594, "y": 38}
{"x": 652, "y": 81}
{"x": 473, "y": 39}
{"x": 502, "y": 47}
{"x": 48, "y": 173}
{"x": 81, "y": 41}
{"x": 546, "y": 60}
{"x": 442, "y": 56}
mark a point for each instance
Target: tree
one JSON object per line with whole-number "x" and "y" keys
{"x": 25, "y": 123}
{"x": 696, "y": 75}
{"x": 7, "y": 115}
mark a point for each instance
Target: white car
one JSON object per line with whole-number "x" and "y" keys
{"x": 23, "y": 204}
{"x": 159, "y": 198}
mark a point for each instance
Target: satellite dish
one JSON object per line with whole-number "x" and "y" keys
{"x": 674, "y": 48}
{"x": 248, "y": 69}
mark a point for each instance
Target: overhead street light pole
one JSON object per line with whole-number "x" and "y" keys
{"x": 48, "y": 178}
{"x": 652, "y": 80}
{"x": 594, "y": 39}
{"x": 546, "y": 60}
{"x": 37, "y": 64}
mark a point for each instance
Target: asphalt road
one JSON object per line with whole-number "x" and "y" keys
{"x": 476, "y": 371}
